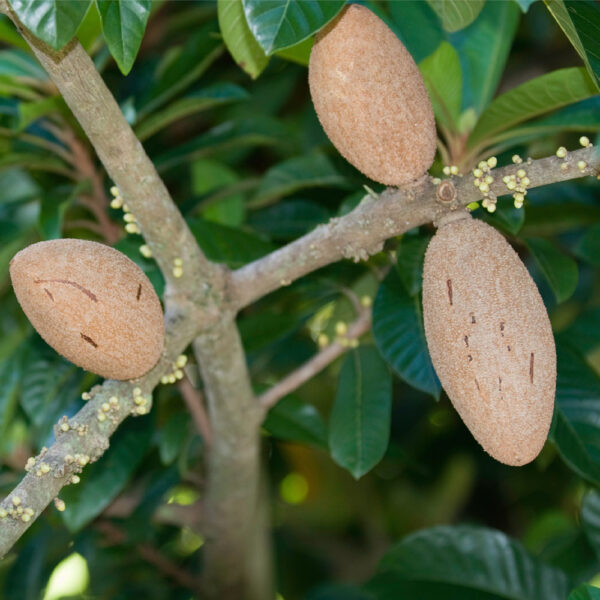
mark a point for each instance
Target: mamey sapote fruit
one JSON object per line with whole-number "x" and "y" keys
{"x": 490, "y": 339}
{"x": 92, "y": 304}
{"x": 371, "y": 99}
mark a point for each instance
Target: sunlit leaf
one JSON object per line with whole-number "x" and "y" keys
{"x": 53, "y": 21}
{"x": 456, "y": 14}
{"x": 278, "y": 24}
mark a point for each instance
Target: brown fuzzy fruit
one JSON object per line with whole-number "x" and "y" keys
{"x": 371, "y": 99}
{"x": 92, "y": 304}
{"x": 490, "y": 339}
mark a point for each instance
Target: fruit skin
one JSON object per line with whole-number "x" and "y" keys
{"x": 92, "y": 304}
{"x": 490, "y": 339}
{"x": 371, "y": 99}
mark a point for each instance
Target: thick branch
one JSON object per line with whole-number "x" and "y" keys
{"x": 363, "y": 231}
{"x": 316, "y": 364}
{"x": 87, "y": 438}
{"x": 123, "y": 157}
{"x": 233, "y": 462}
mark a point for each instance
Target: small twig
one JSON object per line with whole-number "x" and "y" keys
{"x": 317, "y": 363}
{"x": 151, "y": 555}
{"x": 194, "y": 400}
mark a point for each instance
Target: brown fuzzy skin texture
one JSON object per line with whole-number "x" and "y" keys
{"x": 371, "y": 99}
{"x": 92, "y": 304}
{"x": 490, "y": 339}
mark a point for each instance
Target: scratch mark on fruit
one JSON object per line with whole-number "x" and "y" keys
{"x": 49, "y": 294}
{"x": 466, "y": 338}
{"x": 502, "y": 328}
{"x": 139, "y": 292}
{"x": 500, "y": 384}
{"x": 449, "y": 285}
{"x": 473, "y": 318}
{"x": 531, "y": 367}
{"x": 508, "y": 348}
{"x": 470, "y": 358}
{"x": 88, "y": 339}
{"x": 87, "y": 292}
{"x": 477, "y": 384}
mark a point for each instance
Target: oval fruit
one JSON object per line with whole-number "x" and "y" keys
{"x": 92, "y": 304}
{"x": 371, "y": 99}
{"x": 490, "y": 339}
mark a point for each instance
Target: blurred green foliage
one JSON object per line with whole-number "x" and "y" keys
{"x": 244, "y": 156}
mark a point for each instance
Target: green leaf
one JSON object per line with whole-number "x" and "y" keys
{"x": 475, "y": 558}
{"x": 51, "y": 216}
{"x": 583, "y": 334}
{"x": 238, "y": 38}
{"x": 409, "y": 257}
{"x": 34, "y": 161}
{"x": 32, "y": 111}
{"x": 21, "y": 64}
{"x": 580, "y": 22}
{"x": 300, "y": 53}
{"x": 339, "y": 592}
{"x": 53, "y": 21}
{"x": 400, "y": 335}
{"x": 257, "y": 131}
{"x": 278, "y": 24}
{"x": 10, "y": 375}
{"x": 17, "y": 185}
{"x": 359, "y": 425}
{"x": 507, "y": 217}
{"x": 172, "y": 437}
{"x": 102, "y": 481}
{"x": 588, "y": 248}
{"x": 418, "y": 27}
{"x": 585, "y": 592}
{"x": 483, "y": 49}
{"x": 217, "y": 94}
{"x": 298, "y": 173}
{"x": 443, "y": 78}
{"x": 131, "y": 248}
{"x": 182, "y": 66}
{"x": 456, "y": 14}
{"x": 288, "y": 219}
{"x": 560, "y": 270}
{"x": 123, "y": 25}
{"x": 296, "y": 421}
{"x": 49, "y": 384}
{"x": 9, "y": 35}
{"x": 574, "y": 428}
{"x": 590, "y": 519}
{"x": 535, "y": 97}
{"x": 228, "y": 245}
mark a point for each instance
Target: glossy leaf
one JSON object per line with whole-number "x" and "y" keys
{"x": 9, "y": 35}
{"x": 32, "y": 111}
{"x": 300, "y": 53}
{"x": 21, "y": 64}
{"x": 443, "y": 78}
{"x": 51, "y": 217}
{"x": 409, "y": 257}
{"x": 294, "y": 174}
{"x": 580, "y": 22}
{"x": 400, "y": 335}
{"x": 238, "y": 38}
{"x": 279, "y": 24}
{"x": 483, "y": 49}
{"x": 103, "y": 480}
{"x": 590, "y": 519}
{"x": 10, "y": 374}
{"x": 456, "y": 14}
{"x": 194, "y": 102}
{"x": 296, "y": 421}
{"x": 559, "y": 269}
{"x": 359, "y": 424}
{"x": 583, "y": 334}
{"x": 524, "y": 4}
{"x": 577, "y": 413}
{"x": 531, "y": 99}
{"x": 228, "y": 245}
{"x": 476, "y": 558}
{"x": 585, "y": 592}
{"x": 123, "y": 25}
{"x": 53, "y": 21}
{"x": 507, "y": 217}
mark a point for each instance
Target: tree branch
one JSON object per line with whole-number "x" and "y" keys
{"x": 194, "y": 401}
{"x": 317, "y": 363}
{"x": 362, "y": 232}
